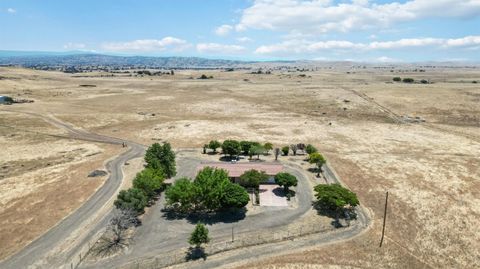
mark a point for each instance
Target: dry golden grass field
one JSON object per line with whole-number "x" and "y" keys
{"x": 431, "y": 169}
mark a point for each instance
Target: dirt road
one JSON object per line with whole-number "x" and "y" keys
{"x": 48, "y": 250}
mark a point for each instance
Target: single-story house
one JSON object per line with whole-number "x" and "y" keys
{"x": 235, "y": 170}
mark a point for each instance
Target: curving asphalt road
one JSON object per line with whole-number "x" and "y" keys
{"x": 38, "y": 254}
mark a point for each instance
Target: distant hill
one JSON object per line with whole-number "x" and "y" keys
{"x": 52, "y": 59}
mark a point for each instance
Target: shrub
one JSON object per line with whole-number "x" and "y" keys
{"x": 397, "y": 79}
{"x": 199, "y": 236}
{"x": 408, "y": 80}
{"x": 285, "y": 150}
{"x": 424, "y": 81}
{"x": 132, "y": 199}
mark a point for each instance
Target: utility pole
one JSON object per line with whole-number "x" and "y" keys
{"x": 384, "y": 219}
{"x": 232, "y": 234}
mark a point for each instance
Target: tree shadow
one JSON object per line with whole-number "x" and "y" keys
{"x": 210, "y": 218}
{"x": 195, "y": 253}
{"x": 228, "y": 158}
{"x": 341, "y": 217}
{"x": 280, "y": 192}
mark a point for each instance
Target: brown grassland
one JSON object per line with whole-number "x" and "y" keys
{"x": 431, "y": 169}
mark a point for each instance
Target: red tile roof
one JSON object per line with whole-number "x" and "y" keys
{"x": 237, "y": 169}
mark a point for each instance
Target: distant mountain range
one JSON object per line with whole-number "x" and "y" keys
{"x": 82, "y": 59}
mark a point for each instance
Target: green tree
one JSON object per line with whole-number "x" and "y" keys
{"x": 132, "y": 199}
{"x": 247, "y": 145}
{"x": 252, "y": 178}
{"x": 150, "y": 181}
{"x": 210, "y": 188}
{"x": 161, "y": 157}
{"x": 256, "y": 150}
{"x": 285, "y": 150}
{"x": 210, "y": 191}
{"x": 268, "y": 146}
{"x": 214, "y": 145}
{"x": 231, "y": 147}
{"x": 286, "y": 180}
{"x": 335, "y": 197}
{"x": 397, "y": 79}
{"x": 181, "y": 195}
{"x": 408, "y": 80}
{"x": 199, "y": 236}
{"x": 310, "y": 149}
{"x": 317, "y": 159}
{"x": 235, "y": 196}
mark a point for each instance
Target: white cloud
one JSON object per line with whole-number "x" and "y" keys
{"x": 11, "y": 10}
{"x": 309, "y": 47}
{"x": 244, "y": 39}
{"x": 215, "y": 48}
{"x": 321, "y": 16}
{"x": 385, "y": 59}
{"x": 223, "y": 30}
{"x": 148, "y": 45}
{"x": 75, "y": 46}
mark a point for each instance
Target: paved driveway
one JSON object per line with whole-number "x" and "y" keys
{"x": 272, "y": 195}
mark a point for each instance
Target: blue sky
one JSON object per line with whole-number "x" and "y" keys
{"x": 362, "y": 30}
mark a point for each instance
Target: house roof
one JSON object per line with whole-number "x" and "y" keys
{"x": 237, "y": 169}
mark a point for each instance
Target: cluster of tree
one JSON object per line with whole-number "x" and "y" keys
{"x": 203, "y": 76}
{"x": 210, "y": 191}
{"x": 405, "y": 80}
{"x": 158, "y": 73}
{"x": 235, "y": 148}
{"x": 148, "y": 183}
{"x": 335, "y": 198}
{"x": 296, "y": 147}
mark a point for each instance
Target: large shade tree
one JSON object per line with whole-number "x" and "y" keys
{"x": 335, "y": 197}
{"x": 231, "y": 147}
{"x": 210, "y": 191}
{"x": 161, "y": 157}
